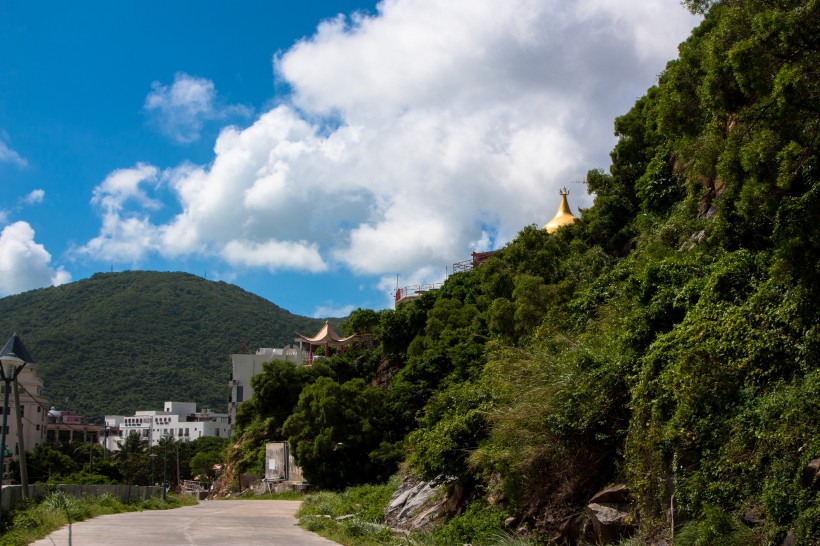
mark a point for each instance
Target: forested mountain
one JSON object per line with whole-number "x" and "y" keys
{"x": 119, "y": 342}
{"x": 668, "y": 340}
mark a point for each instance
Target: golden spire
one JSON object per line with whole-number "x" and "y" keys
{"x": 563, "y": 217}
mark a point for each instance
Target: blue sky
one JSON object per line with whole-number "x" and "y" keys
{"x": 308, "y": 152}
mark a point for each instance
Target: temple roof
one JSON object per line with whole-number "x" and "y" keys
{"x": 563, "y": 217}
{"x": 327, "y": 336}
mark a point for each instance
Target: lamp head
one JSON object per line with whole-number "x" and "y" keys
{"x": 10, "y": 364}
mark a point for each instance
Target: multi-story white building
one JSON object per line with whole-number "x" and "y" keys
{"x": 246, "y": 365}
{"x": 178, "y": 420}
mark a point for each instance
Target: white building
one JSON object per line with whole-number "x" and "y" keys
{"x": 246, "y": 365}
{"x": 179, "y": 420}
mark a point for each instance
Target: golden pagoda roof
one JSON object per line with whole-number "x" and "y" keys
{"x": 563, "y": 217}
{"x": 327, "y": 336}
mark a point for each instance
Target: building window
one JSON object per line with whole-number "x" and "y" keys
{"x": 37, "y": 427}
{"x": 239, "y": 393}
{"x": 38, "y": 409}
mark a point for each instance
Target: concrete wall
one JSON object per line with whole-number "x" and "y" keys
{"x": 126, "y": 493}
{"x": 280, "y": 464}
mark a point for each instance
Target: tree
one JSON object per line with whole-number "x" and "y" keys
{"x": 46, "y": 460}
{"x": 334, "y": 429}
{"x": 133, "y": 461}
{"x": 202, "y": 464}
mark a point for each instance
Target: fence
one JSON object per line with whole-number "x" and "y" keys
{"x": 12, "y": 494}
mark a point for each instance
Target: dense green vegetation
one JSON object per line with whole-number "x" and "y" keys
{"x": 135, "y": 463}
{"x": 667, "y": 340}
{"x": 121, "y": 342}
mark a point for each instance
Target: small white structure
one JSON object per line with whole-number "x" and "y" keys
{"x": 246, "y": 365}
{"x": 179, "y": 420}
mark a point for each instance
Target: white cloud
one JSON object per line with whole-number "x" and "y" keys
{"x": 181, "y": 109}
{"x": 123, "y": 185}
{"x": 24, "y": 263}
{"x": 35, "y": 197}
{"x": 8, "y": 155}
{"x": 411, "y": 137}
{"x": 274, "y": 255}
{"x": 333, "y": 311}
{"x": 126, "y": 235}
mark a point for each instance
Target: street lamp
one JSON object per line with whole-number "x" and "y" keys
{"x": 165, "y": 467}
{"x": 153, "y": 458}
{"x": 10, "y": 367}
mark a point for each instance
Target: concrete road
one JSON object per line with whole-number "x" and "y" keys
{"x": 234, "y": 522}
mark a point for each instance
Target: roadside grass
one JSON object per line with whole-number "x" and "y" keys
{"x": 282, "y": 495}
{"x": 355, "y": 517}
{"x": 33, "y": 520}
{"x": 361, "y": 513}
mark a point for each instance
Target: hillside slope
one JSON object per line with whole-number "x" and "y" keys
{"x": 119, "y": 342}
{"x": 667, "y": 341}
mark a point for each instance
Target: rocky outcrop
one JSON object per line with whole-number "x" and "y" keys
{"x": 611, "y": 513}
{"x": 811, "y": 475}
{"x": 416, "y": 504}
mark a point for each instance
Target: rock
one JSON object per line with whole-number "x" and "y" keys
{"x": 811, "y": 475}
{"x": 572, "y": 530}
{"x": 610, "y": 511}
{"x": 615, "y": 494}
{"x": 423, "y": 519}
{"x": 415, "y": 504}
{"x": 790, "y": 540}
{"x": 610, "y": 523}
{"x": 753, "y": 517}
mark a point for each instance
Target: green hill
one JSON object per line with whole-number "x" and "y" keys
{"x": 119, "y": 342}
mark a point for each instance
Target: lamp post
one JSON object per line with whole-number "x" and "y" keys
{"x": 10, "y": 367}
{"x": 153, "y": 458}
{"x": 165, "y": 467}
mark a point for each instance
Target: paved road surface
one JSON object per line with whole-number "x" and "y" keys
{"x": 235, "y": 522}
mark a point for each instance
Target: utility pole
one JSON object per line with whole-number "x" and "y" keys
{"x": 20, "y": 441}
{"x": 178, "y": 477}
{"x": 165, "y": 471}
